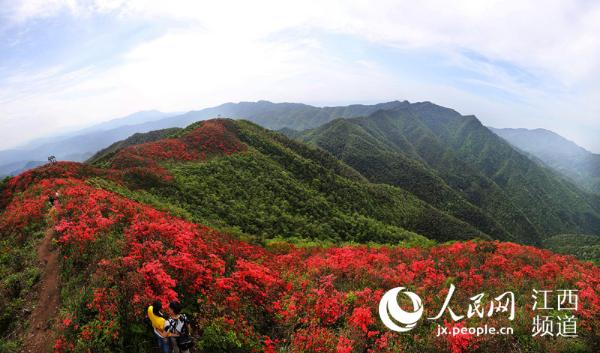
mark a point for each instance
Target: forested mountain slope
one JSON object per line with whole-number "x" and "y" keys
{"x": 273, "y": 186}
{"x": 564, "y": 156}
{"x": 458, "y": 165}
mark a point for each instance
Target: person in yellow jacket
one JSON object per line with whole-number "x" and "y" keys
{"x": 160, "y": 325}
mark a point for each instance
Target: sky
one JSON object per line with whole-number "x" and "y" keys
{"x": 66, "y": 64}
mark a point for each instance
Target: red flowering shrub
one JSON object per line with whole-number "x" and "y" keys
{"x": 244, "y": 297}
{"x": 461, "y": 342}
{"x": 361, "y": 317}
{"x": 46, "y": 173}
{"x": 141, "y": 163}
{"x": 315, "y": 339}
{"x": 211, "y": 137}
{"x": 164, "y": 149}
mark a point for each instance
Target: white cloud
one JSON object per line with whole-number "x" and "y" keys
{"x": 233, "y": 50}
{"x": 554, "y": 35}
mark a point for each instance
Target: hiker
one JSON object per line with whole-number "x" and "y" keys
{"x": 180, "y": 326}
{"x": 160, "y": 325}
{"x": 53, "y": 199}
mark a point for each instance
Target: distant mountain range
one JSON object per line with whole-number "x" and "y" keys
{"x": 459, "y": 166}
{"x": 564, "y": 156}
{"x": 81, "y": 145}
{"x": 581, "y": 166}
{"x": 76, "y": 146}
{"x": 450, "y": 162}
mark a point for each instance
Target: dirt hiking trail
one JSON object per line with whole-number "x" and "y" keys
{"x": 39, "y": 336}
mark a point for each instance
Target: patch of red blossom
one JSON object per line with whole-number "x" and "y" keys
{"x": 141, "y": 162}
{"x": 211, "y": 137}
{"x": 47, "y": 172}
{"x": 315, "y": 339}
{"x": 344, "y": 345}
{"x": 302, "y": 299}
{"x": 460, "y": 342}
{"x": 362, "y": 318}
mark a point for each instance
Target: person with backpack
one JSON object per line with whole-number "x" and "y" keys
{"x": 51, "y": 200}
{"x": 161, "y": 326}
{"x": 54, "y": 199}
{"x": 180, "y": 327}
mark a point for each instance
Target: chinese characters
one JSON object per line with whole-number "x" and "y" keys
{"x": 550, "y": 323}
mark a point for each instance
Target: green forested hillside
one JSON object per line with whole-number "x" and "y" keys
{"x": 456, "y": 168}
{"x": 584, "y": 247}
{"x": 458, "y": 165}
{"x": 560, "y": 154}
{"x": 279, "y": 187}
{"x": 551, "y": 203}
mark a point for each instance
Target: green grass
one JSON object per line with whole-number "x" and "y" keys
{"x": 19, "y": 272}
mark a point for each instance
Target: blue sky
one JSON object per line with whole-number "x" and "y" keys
{"x": 71, "y": 63}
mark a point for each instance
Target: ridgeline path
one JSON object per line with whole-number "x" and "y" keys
{"x": 39, "y": 336}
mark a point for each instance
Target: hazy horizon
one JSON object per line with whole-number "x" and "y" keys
{"x": 75, "y": 129}
{"x": 68, "y": 64}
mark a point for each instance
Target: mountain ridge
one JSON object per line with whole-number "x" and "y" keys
{"x": 562, "y": 155}
{"x": 88, "y": 141}
{"x": 450, "y": 161}
{"x": 455, "y": 145}
{"x": 290, "y": 164}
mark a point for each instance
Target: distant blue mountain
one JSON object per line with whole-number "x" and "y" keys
{"x": 81, "y": 145}
{"x": 562, "y": 155}
{"x": 74, "y": 146}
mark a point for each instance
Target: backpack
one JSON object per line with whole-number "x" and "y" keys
{"x": 184, "y": 340}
